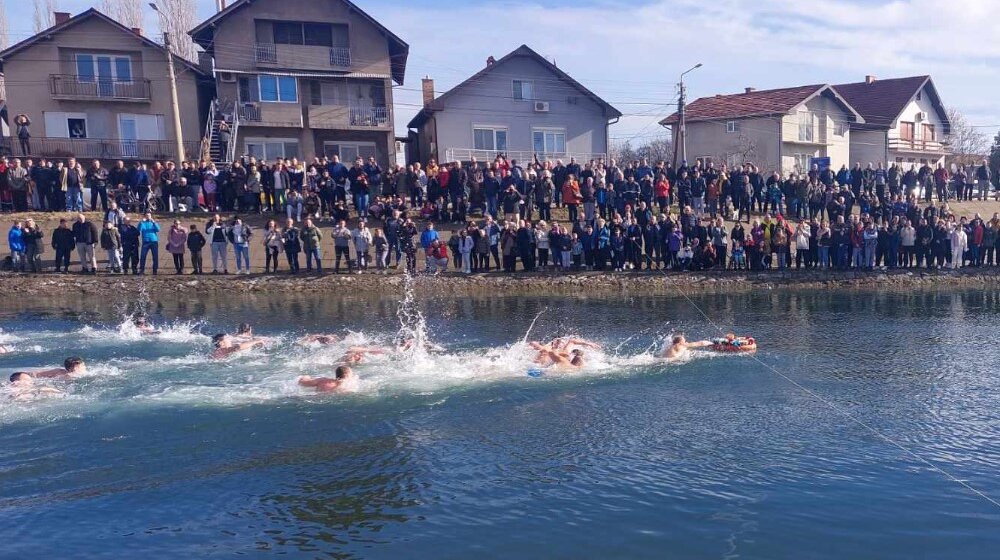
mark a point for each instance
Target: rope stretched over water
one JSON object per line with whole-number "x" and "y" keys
{"x": 846, "y": 414}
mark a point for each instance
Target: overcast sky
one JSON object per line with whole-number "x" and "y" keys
{"x": 631, "y": 52}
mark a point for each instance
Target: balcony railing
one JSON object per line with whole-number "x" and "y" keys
{"x": 100, "y": 148}
{"x": 270, "y": 114}
{"x": 310, "y": 57}
{"x": 76, "y": 87}
{"x": 340, "y": 57}
{"x": 918, "y": 145}
{"x": 369, "y": 116}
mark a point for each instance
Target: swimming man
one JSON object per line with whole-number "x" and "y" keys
{"x": 72, "y": 367}
{"x": 346, "y": 381}
{"x": 679, "y": 347}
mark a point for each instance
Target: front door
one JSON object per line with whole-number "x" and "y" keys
{"x": 906, "y": 130}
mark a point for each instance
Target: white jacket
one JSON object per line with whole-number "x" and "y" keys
{"x": 465, "y": 245}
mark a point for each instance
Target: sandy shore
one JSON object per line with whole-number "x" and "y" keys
{"x": 457, "y": 285}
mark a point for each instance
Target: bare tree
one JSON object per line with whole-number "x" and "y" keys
{"x": 4, "y": 28}
{"x": 44, "y": 17}
{"x": 743, "y": 150}
{"x": 967, "y": 143}
{"x": 126, "y": 12}
{"x": 177, "y": 17}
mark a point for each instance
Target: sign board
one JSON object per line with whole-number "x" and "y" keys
{"x": 822, "y": 162}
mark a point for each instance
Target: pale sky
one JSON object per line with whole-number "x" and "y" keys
{"x": 631, "y": 52}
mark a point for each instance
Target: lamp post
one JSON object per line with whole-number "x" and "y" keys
{"x": 682, "y": 130}
{"x": 178, "y": 135}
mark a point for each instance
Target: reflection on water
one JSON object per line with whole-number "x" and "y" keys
{"x": 459, "y": 453}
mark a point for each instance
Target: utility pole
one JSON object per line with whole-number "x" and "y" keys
{"x": 178, "y": 136}
{"x": 682, "y": 122}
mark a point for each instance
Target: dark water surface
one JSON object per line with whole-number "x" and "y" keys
{"x": 162, "y": 454}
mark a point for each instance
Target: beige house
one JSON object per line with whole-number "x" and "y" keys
{"x": 94, "y": 88}
{"x": 303, "y": 78}
{"x": 774, "y": 129}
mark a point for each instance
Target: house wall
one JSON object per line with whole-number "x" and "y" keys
{"x": 757, "y": 138}
{"x": 867, "y": 146}
{"x": 234, "y": 37}
{"x": 909, "y": 114}
{"x": 28, "y": 78}
{"x": 490, "y": 102}
{"x": 825, "y": 115}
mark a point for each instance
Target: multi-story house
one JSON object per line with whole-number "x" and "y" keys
{"x": 905, "y": 121}
{"x": 94, "y": 88}
{"x": 304, "y": 78}
{"x": 785, "y": 128}
{"x": 519, "y": 105}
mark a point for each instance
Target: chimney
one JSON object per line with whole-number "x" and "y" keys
{"x": 749, "y": 90}
{"x": 869, "y": 79}
{"x": 60, "y": 17}
{"x": 428, "y": 88}
{"x": 220, "y": 4}
{"x": 490, "y": 61}
{"x": 137, "y": 31}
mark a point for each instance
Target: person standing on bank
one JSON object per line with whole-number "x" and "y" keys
{"x": 195, "y": 243}
{"x": 176, "y": 243}
{"x": 86, "y": 236}
{"x": 149, "y": 236}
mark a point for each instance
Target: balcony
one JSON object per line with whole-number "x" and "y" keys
{"x": 918, "y": 145}
{"x": 70, "y": 87}
{"x": 344, "y": 117}
{"x": 302, "y": 57}
{"x": 101, "y": 148}
{"x": 286, "y": 115}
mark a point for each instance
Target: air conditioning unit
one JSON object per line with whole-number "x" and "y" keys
{"x": 921, "y": 116}
{"x": 541, "y": 106}
{"x": 227, "y": 77}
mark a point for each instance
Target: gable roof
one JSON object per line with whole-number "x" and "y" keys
{"x": 81, "y": 17}
{"x": 882, "y": 101}
{"x": 763, "y": 103}
{"x": 399, "y": 50}
{"x": 524, "y": 50}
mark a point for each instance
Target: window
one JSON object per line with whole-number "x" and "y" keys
{"x": 349, "y": 151}
{"x": 287, "y": 33}
{"x": 548, "y": 141}
{"x": 65, "y": 125}
{"x": 806, "y": 127}
{"x": 802, "y": 162}
{"x": 270, "y": 149}
{"x": 91, "y": 67}
{"x": 734, "y": 160}
{"x": 524, "y": 90}
{"x": 299, "y": 33}
{"x": 278, "y": 89}
{"x": 493, "y": 139}
{"x": 732, "y": 126}
{"x": 840, "y": 129}
{"x": 141, "y": 127}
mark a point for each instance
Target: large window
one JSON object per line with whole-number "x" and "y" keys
{"x": 489, "y": 138}
{"x": 270, "y": 149}
{"x": 278, "y": 89}
{"x": 524, "y": 90}
{"x": 93, "y": 67}
{"x": 548, "y": 141}
{"x": 806, "y": 127}
{"x": 350, "y": 151}
{"x": 312, "y": 34}
{"x": 65, "y": 125}
{"x": 803, "y": 162}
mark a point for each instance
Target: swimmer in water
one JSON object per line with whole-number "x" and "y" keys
{"x": 226, "y": 346}
{"x": 559, "y": 359}
{"x": 568, "y": 343}
{"x": 143, "y": 325}
{"x": 23, "y": 387}
{"x": 324, "y": 339}
{"x": 4, "y": 349}
{"x": 680, "y": 347}
{"x": 346, "y": 381}
{"x": 411, "y": 343}
{"x": 72, "y": 367}
{"x": 357, "y": 354}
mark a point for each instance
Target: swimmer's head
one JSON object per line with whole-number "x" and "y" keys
{"x": 74, "y": 364}
{"x": 219, "y": 339}
{"x": 140, "y": 321}
{"x": 678, "y": 338}
{"x": 577, "y": 352}
{"x": 245, "y": 329}
{"x": 343, "y": 372}
{"x": 21, "y": 378}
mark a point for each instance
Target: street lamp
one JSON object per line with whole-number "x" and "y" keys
{"x": 178, "y": 135}
{"x": 680, "y": 114}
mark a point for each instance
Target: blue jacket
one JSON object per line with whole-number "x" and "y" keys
{"x": 16, "y": 239}
{"x": 427, "y": 237}
{"x": 148, "y": 231}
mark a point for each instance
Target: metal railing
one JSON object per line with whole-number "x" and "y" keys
{"x": 68, "y": 85}
{"x": 265, "y": 52}
{"x": 918, "y": 145}
{"x": 249, "y": 112}
{"x": 340, "y": 57}
{"x": 368, "y": 116}
{"x": 206, "y": 139}
{"x": 100, "y": 148}
{"x": 522, "y": 156}
{"x": 230, "y": 154}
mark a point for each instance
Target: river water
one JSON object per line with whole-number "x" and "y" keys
{"x": 161, "y": 453}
